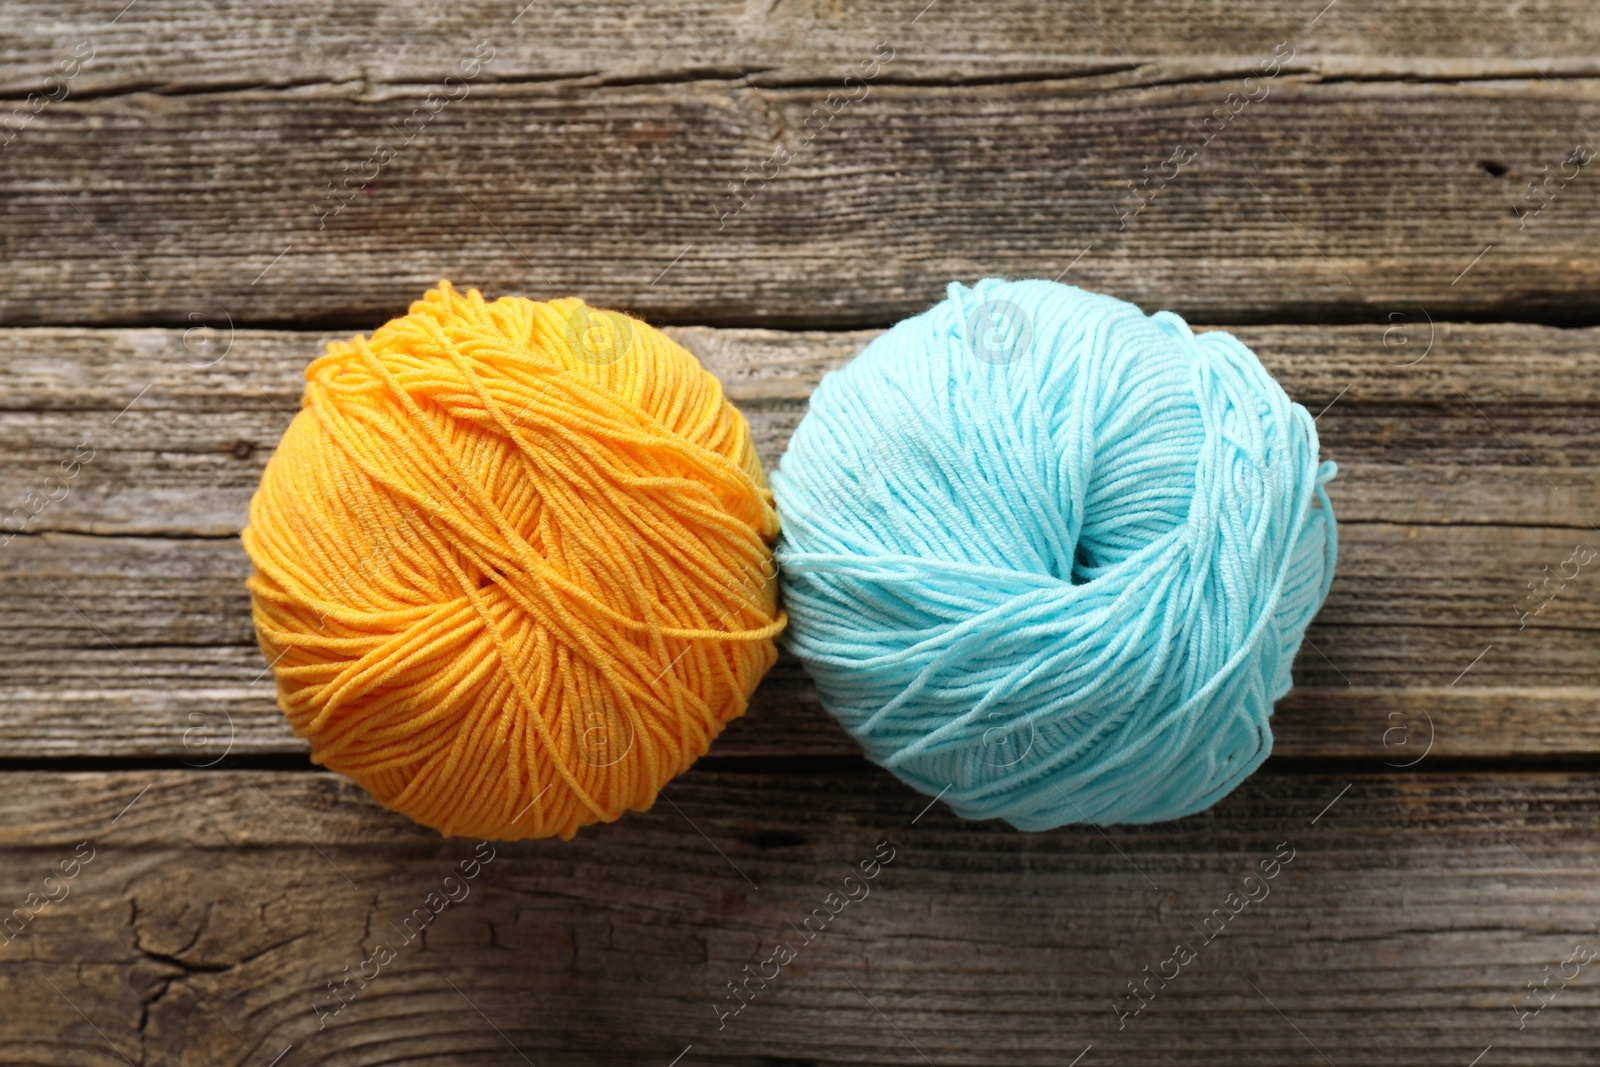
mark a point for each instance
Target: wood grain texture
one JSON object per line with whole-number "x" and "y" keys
{"x": 1462, "y": 481}
{"x": 1343, "y": 201}
{"x": 215, "y": 910}
{"x": 1492, "y": 424}
{"x": 189, "y": 44}
{"x": 183, "y": 178}
{"x": 128, "y": 646}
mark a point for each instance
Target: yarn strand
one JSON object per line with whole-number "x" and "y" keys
{"x": 509, "y": 587}
{"x": 1050, "y": 558}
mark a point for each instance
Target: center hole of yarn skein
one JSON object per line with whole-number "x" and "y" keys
{"x": 1112, "y": 424}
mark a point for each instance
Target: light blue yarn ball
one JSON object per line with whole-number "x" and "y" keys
{"x": 1052, "y": 558}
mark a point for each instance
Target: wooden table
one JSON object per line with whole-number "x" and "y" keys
{"x": 1392, "y": 205}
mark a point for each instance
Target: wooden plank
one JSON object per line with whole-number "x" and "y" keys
{"x": 170, "y": 473}
{"x": 1339, "y": 201}
{"x": 1403, "y": 928}
{"x": 1496, "y": 423}
{"x": 123, "y": 646}
{"x": 191, "y": 45}
{"x": 172, "y": 592}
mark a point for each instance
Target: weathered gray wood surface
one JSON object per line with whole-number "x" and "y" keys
{"x": 1462, "y": 481}
{"x": 1492, "y": 424}
{"x": 1444, "y": 796}
{"x": 1414, "y": 911}
{"x": 188, "y": 45}
{"x": 1323, "y": 201}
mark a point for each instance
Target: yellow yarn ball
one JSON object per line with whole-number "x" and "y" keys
{"x": 513, "y": 565}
